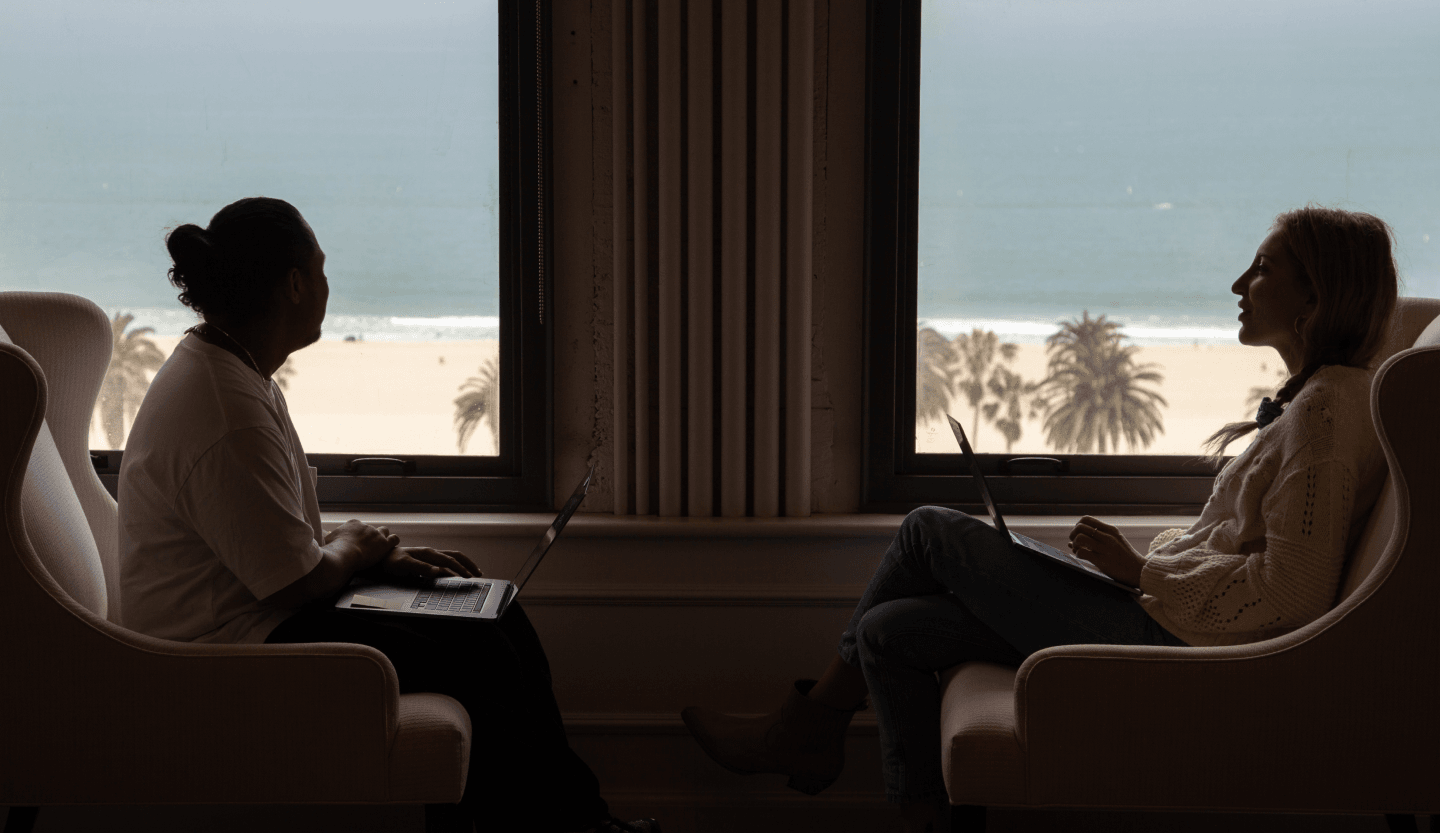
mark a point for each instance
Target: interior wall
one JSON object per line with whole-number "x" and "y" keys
{"x": 583, "y": 178}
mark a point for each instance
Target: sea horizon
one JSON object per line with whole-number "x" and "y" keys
{"x": 172, "y": 323}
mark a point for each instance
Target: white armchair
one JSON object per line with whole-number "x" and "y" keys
{"x": 1336, "y": 717}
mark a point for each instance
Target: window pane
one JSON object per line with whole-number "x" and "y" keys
{"x": 120, "y": 119}
{"x": 1124, "y": 159}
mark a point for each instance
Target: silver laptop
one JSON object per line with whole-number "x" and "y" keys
{"x": 466, "y": 598}
{"x": 1016, "y": 538}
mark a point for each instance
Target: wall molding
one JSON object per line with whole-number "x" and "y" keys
{"x": 695, "y": 594}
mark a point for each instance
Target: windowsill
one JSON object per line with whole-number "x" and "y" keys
{"x": 601, "y": 525}
{"x": 823, "y": 561}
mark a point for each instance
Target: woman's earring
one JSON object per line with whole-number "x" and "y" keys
{"x": 1298, "y": 319}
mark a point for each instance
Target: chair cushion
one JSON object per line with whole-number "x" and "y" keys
{"x": 57, "y": 526}
{"x": 979, "y": 746}
{"x": 430, "y": 755}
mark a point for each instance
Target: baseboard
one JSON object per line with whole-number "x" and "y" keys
{"x": 781, "y": 799}
{"x": 631, "y": 723}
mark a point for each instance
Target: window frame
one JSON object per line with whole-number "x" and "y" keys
{"x": 896, "y": 478}
{"x": 519, "y": 478}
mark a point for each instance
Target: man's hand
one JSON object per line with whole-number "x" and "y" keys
{"x": 351, "y": 547}
{"x": 369, "y": 544}
{"x": 427, "y": 562}
{"x": 353, "y": 527}
{"x": 1102, "y": 545}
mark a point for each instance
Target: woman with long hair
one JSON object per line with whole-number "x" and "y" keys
{"x": 1264, "y": 558}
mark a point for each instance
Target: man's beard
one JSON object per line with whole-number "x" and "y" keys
{"x": 313, "y": 338}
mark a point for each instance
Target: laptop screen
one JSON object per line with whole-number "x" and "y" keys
{"x": 979, "y": 478}
{"x": 553, "y": 530}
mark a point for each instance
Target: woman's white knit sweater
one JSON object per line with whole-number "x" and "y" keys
{"x": 1266, "y": 555}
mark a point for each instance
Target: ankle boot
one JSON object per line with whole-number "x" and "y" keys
{"x": 805, "y": 740}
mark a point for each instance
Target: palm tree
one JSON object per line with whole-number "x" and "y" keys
{"x": 935, "y": 360}
{"x": 977, "y": 354}
{"x": 1092, "y": 394}
{"x": 479, "y": 399}
{"x": 283, "y": 374}
{"x": 1012, "y": 393}
{"x": 132, "y": 356}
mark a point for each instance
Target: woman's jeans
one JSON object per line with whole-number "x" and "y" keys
{"x": 952, "y": 589}
{"x": 523, "y": 775}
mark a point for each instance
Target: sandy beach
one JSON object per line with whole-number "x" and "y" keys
{"x": 377, "y": 397}
{"x": 1205, "y": 387}
{"x": 399, "y": 397}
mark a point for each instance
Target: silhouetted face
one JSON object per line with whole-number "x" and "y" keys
{"x": 320, "y": 291}
{"x": 315, "y": 294}
{"x": 1274, "y": 295}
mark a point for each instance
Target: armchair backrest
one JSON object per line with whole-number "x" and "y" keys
{"x": 69, "y": 517}
{"x": 1416, "y": 323}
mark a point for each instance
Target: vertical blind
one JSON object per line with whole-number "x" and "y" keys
{"x": 712, "y": 118}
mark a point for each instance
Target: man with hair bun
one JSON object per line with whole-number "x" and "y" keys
{"x": 221, "y": 541}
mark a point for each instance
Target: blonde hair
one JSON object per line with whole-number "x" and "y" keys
{"x": 1345, "y": 257}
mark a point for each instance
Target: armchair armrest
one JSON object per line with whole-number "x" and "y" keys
{"x": 1157, "y": 727}
{"x": 213, "y": 723}
{"x": 1068, "y": 682}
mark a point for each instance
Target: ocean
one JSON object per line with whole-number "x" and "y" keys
{"x": 120, "y": 119}
{"x": 1126, "y": 157}
{"x": 1121, "y": 157}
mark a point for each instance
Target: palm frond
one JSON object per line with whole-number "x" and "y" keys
{"x": 935, "y": 360}
{"x": 479, "y": 400}
{"x": 133, "y": 357}
{"x": 1094, "y": 392}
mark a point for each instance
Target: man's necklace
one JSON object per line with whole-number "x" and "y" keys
{"x": 253, "y": 365}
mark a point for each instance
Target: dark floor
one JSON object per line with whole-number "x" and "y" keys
{"x": 761, "y": 818}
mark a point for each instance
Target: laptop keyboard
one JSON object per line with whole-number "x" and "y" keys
{"x": 452, "y": 598}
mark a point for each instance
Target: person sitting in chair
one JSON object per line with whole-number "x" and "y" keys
{"x": 1264, "y": 558}
{"x": 220, "y": 536}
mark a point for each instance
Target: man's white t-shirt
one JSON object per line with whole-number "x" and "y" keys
{"x": 217, "y": 502}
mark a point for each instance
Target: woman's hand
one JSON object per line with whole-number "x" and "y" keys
{"x": 427, "y": 562}
{"x": 1102, "y": 545}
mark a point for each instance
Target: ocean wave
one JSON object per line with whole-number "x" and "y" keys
{"x": 342, "y": 326}
{"x": 1035, "y": 332}
{"x": 470, "y": 321}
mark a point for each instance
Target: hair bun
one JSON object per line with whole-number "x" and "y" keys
{"x": 193, "y": 273}
{"x": 232, "y": 268}
{"x": 189, "y": 246}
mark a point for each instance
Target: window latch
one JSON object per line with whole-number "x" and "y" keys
{"x": 352, "y": 466}
{"x": 1034, "y": 465}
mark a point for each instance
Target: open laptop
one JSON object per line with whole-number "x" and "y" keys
{"x": 1019, "y": 540}
{"x": 465, "y": 598}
